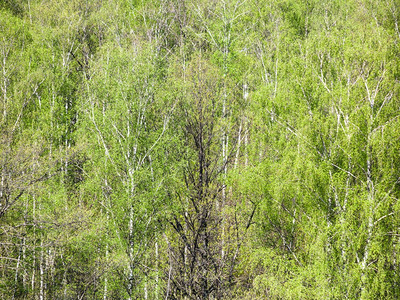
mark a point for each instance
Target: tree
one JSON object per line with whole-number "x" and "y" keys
{"x": 200, "y": 265}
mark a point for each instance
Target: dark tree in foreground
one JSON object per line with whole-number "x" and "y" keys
{"x": 201, "y": 261}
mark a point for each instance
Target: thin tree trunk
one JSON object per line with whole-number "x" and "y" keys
{"x": 41, "y": 291}
{"x": 16, "y": 275}
{"x": 157, "y": 270}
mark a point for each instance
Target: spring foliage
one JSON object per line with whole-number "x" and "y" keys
{"x": 165, "y": 149}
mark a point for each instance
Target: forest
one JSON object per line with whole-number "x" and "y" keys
{"x": 199, "y": 149}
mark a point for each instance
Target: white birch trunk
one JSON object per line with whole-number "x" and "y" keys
{"x": 5, "y": 84}
{"x": 157, "y": 276}
{"x": 105, "y": 276}
{"x": 64, "y": 282}
{"x": 370, "y": 183}
{"x": 16, "y": 275}
{"x": 41, "y": 290}
{"x": 130, "y": 287}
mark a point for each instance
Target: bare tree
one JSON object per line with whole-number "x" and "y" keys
{"x": 199, "y": 269}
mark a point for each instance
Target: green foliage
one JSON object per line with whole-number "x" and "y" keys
{"x": 263, "y": 134}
